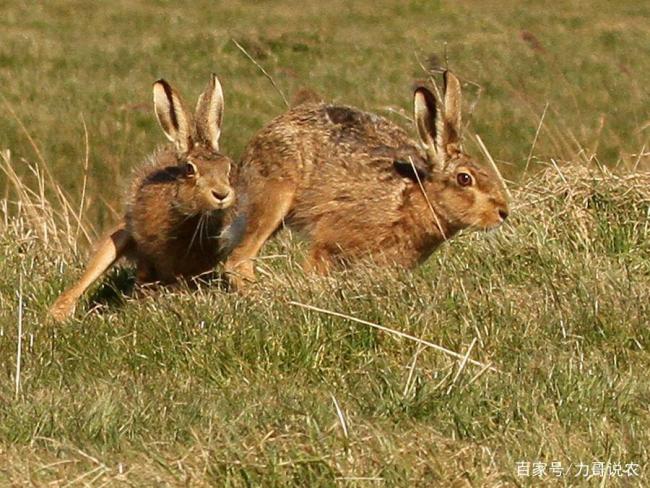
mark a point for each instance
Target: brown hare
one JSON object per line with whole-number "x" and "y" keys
{"x": 176, "y": 206}
{"x": 358, "y": 186}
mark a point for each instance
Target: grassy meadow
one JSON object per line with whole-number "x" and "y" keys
{"x": 548, "y": 316}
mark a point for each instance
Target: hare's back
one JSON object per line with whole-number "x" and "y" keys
{"x": 353, "y": 131}
{"x": 322, "y": 137}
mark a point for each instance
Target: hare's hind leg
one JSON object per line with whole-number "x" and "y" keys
{"x": 264, "y": 214}
{"x": 145, "y": 273}
{"x": 109, "y": 250}
{"x": 327, "y": 245}
{"x": 319, "y": 260}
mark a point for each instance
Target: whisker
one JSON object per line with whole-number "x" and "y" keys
{"x": 196, "y": 230}
{"x": 203, "y": 235}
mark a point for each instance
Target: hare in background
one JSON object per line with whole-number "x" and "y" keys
{"x": 176, "y": 207}
{"x": 359, "y": 186}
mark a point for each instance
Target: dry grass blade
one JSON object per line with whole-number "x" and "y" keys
{"x": 409, "y": 378}
{"x": 639, "y": 156}
{"x": 493, "y": 164}
{"x": 444, "y": 350}
{"x": 341, "y": 416}
{"x": 532, "y": 146}
{"x": 358, "y": 478}
{"x": 22, "y": 126}
{"x": 84, "y": 185}
{"x": 461, "y": 366}
{"x": 264, "y": 72}
{"x": 426, "y": 197}
{"x": 78, "y": 479}
{"x": 19, "y": 346}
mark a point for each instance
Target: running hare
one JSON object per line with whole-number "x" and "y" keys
{"x": 359, "y": 186}
{"x": 176, "y": 204}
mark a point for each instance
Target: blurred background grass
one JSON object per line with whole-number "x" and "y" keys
{"x": 64, "y": 62}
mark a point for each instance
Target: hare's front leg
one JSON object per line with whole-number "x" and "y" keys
{"x": 266, "y": 208}
{"x": 109, "y": 250}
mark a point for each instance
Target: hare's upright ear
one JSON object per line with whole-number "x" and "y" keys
{"x": 209, "y": 113}
{"x": 449, "y": 133}
{"x": 172, "y": 115}
{"x": 425, "y": 114}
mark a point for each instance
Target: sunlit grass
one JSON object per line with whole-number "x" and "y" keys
{"x": 217, "y": 388}
{"x": 204, "y": 387}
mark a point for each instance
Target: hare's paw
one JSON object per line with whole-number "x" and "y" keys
{"x": 240, "y": 277}
{"x": 63, "y": 308}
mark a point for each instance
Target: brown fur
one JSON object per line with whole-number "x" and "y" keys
{"x": 177, "y": 201}
{"x": 172, "y": 220}
{"x": 349, "y": 180}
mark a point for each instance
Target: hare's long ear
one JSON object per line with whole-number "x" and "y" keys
{"x": 172, "y": 115}
{"x": 209, "y": 113}
{"x": 449, "y": 133}
{"x": 425, "y": 114}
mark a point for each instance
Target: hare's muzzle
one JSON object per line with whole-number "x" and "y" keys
{"x": 222, "y": 197}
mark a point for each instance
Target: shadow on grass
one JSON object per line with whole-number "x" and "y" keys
{"x": 120, "y": 284}
{"x": 117, "y": 285}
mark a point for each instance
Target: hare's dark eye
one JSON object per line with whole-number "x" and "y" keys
{"x": 464, "y": 179}
{"x": 190, "y": 169}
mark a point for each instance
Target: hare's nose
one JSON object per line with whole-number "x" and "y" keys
{"x": 220, "y": 195}
{"x": 503, "y": 214}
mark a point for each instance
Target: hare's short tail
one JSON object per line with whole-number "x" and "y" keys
{"x": 306, "y": 95}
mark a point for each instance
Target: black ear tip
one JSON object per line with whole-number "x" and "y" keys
{"x": 445, "y": 78}
{"x": 161, "y": 81}
{"x": 450, "y": 78}
{"x": 429, "y": 97}
{"x": 421, "y": 90}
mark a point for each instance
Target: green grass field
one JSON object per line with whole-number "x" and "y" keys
{"x": 203, "y": 387}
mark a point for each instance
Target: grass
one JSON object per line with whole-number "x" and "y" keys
{"x": 209, "y": 388}
{"x": 205, "y": 387}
